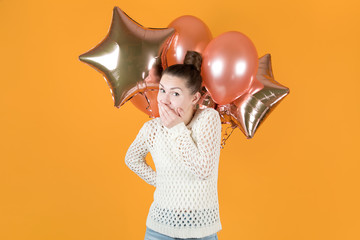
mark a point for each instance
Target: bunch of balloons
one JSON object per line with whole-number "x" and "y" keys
{"x": 238, "y": 84}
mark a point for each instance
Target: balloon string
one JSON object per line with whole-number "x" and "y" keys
{"x": 148, "y": 101}
{"x": 226, "y": 136}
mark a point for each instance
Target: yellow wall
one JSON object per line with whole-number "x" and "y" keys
{"x": 63, "y": 143}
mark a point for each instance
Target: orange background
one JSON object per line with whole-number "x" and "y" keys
{"x": 63, "y": 143}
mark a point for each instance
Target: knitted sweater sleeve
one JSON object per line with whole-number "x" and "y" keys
{"x": 135, "y": 157}
{"x": 199, "y": 157}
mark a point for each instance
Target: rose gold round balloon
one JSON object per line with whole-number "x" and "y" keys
{"x": 230, "y": 63}
{"x": 146, "y": 101}
{"x": 191, "y": 34}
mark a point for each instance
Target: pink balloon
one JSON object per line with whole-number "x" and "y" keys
{"x": 191, "y": 34}
{"x": 230, "y": 63}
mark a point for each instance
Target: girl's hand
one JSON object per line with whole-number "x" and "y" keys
{"x": 169, "y": 117}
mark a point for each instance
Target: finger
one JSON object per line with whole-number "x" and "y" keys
{"x": 165, "y": 110}
{"x": 169, "y": 111}
{"x": 165, "y": 106}
{"x": 163, "y": 115}
{"x": 161, "y": 111}
{"x": 159, "y": 107}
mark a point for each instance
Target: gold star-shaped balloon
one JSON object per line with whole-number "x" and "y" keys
{"x": 126, "y": 55}
{"x": 252, "y": 108}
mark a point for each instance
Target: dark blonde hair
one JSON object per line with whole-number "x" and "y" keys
{"x": 190, "y": 70}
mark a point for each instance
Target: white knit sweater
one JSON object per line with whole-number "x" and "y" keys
{"x": 186, "y": 159}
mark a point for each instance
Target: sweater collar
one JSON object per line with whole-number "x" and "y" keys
{"x": 196, "y": 114}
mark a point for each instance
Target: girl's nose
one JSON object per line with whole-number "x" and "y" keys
{"x": 165, "y": 99}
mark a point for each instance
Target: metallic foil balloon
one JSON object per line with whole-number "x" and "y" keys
{"x": 146, "y": 101}
{"x": 230, "y": 63}
{"x": 192, "y": 34}
{"x": 249, "y": 110}
{"x": 126, "y": 55}
{"x": 205, "y": 100}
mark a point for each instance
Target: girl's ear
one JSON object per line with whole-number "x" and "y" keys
{"x": 196, "y": 97}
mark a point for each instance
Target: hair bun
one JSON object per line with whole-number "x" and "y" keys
{"x": 193, "y": 58}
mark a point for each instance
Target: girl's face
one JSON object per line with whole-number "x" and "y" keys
{"x": 174, "y": 93}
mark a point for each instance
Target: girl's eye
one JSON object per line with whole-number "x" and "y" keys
{"x": 162, "y": 90}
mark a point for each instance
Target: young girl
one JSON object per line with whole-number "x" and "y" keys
{"x": 184, "y": 143}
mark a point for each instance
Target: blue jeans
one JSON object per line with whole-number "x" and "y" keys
{"x": 153, "y": 235}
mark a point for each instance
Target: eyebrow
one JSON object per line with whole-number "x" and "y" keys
{"x": 171, "y": 88}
